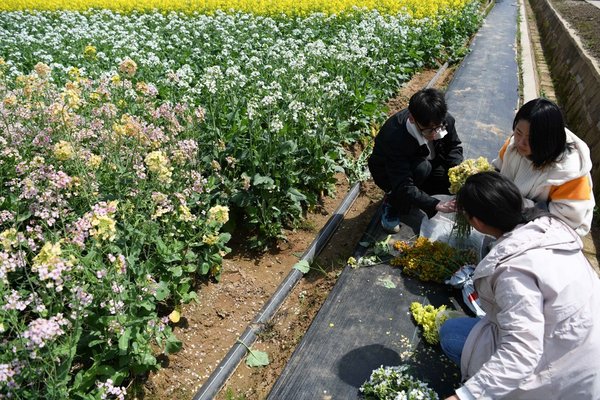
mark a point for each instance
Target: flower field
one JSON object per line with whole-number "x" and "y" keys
{"x": 137, "y": 137}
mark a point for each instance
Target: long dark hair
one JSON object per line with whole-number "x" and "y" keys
{"x": 495, "y": 200}
{"x": 547, "y": 135}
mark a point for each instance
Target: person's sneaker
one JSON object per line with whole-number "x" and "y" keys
{"x": 389, "y": 220}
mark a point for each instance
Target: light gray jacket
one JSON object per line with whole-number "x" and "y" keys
{"x": 540, "y": 338}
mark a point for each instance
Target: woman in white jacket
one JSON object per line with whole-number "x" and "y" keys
{"x": 540, "y": 338}
{"x": 549, "y": 164}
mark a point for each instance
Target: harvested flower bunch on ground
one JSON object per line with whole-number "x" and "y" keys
{"x": 390, "y": 383}
{"x": 430, "y": 261}
{"x": 429, "y": 318}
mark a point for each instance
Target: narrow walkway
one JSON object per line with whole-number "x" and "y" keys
{"x": 365, "y": 322}
{"x": 484, "y": 94}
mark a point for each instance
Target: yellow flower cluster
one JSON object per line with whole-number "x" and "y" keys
{"x": 416, "y": 8}
{"x": 430, "y": 261}
{"x": 49, "y": 255}
{"x": 104, "y": 225}
{"x": 427, "y": 318}
{"x": 8, "y": 238}
{"x": 219, "y": 214}
{"x": 94, "y": 161}
{"x": 459, "y": 174}
{"x": 158, "y": 163}
{"x": 63, "y": 150}
{"x": 89, "y": 52}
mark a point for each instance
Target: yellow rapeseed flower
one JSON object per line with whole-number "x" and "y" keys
{"x": 103, "y": 227}
{"x": 94, "y": 161}
{"x": 89, "y": 52}
{"x": 185, "y": 214}
{"x": 158, "y": 163}
{"x": 49, "y": 255}
{"x": 43, "y": 70}
{"x": 219, "y": 214}
{"x": 63, "y": 150}
{"x": 8, "y": 238}
{"x": 416, "y": 8}
{"x": 427, "y": 318}
{"x": 210, "y": 239}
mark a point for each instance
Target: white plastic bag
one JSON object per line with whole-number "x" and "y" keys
{"x": 462, "y": 279}
{"x": 439, "y": 228}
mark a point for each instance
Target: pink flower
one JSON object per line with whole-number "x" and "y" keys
{"x": 14, "y": 302}
{"x": 109, "y": 389}
{"x": 41, "y": 331}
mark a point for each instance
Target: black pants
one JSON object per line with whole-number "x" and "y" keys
{"x": 428, "y": 175}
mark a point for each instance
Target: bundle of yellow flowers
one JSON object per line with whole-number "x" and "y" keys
{"x": 430, "y": 261}
{"x": 458, "y": 175}
{"x": 429, "y": 318}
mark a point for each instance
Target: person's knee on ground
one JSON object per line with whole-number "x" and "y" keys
{"x": 453, "y": 335}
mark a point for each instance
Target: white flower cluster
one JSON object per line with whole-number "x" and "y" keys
{"x": 395, "y": 383}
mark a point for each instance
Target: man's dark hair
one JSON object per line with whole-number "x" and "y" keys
{"x": 428, "y": 107}
{"x": 547, "y": 136}
{"x": 492, "y": 198}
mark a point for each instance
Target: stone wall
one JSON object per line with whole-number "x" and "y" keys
{"x": 576, "y": 80}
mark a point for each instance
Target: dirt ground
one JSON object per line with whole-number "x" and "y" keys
{"x": 210, "y": 327}
{"x": 584, "y": 19}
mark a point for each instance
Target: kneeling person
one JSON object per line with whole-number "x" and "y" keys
{"x": 411, "y": 157}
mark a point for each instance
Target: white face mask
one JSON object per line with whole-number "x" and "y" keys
{"x": 440, "y": 134}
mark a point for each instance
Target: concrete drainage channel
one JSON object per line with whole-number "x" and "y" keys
{"x": 237, "y": 352}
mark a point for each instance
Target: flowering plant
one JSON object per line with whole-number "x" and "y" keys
{"x": 123, "y": 148}
{"x": 395, "y": 383}
{"x": 106, "y": 225}
{"x": 458, "y": 175}
{"x": 430, "y": 260}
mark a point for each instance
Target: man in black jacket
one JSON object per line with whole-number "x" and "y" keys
{"x": 411, "y": 157}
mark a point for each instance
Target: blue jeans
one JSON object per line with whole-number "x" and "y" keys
{"x": 453, "y": 335}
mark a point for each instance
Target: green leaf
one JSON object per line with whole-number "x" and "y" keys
{"x": 176, "y": 271}
{"x": 259, "y": 180}
{"x": 190, "y": 256}
{"x": 148, "y": 359}
{"x": 23, "y": 217}
{"x": 162, "y": 291}
{"x": 295, "y": 195}
{"x": 187, "y": 297}
{"x": 302, "y": 266}
{"x": 204, "y": 268}
{"x": 147, "y": 305}
{"x": 288, "y": 146}
{"x": 387, "y": 283}
{"x": 172, "y": 345}
{"x": 161, "y": 246}
{"x": 257, "y": 358}
{"x": 124, "y": 341}
{"x": 85, "y": 379}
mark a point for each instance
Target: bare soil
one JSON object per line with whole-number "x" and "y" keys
{"x": 584, "y": 19}
{"x": 210, "y": 327}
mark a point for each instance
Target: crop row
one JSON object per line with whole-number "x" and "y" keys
{"x": 133, "y": 145}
